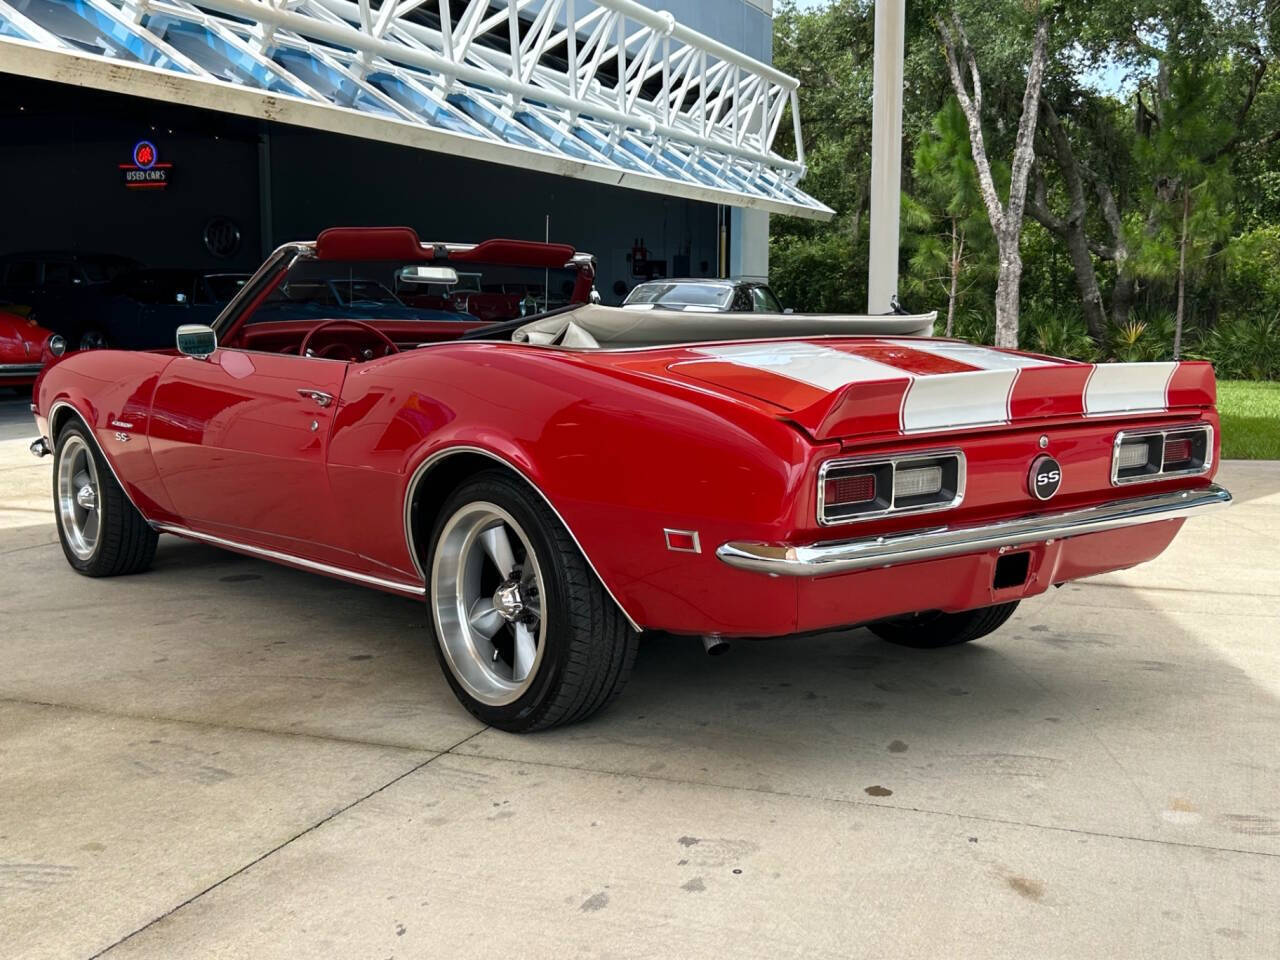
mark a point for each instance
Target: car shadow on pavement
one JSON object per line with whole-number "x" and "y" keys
{"x": 1093, "y": 707}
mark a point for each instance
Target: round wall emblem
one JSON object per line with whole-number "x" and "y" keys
{"x": 1045, "y": 478}
{"x": 222, "y": 237}
{"x": 144, "y": 154}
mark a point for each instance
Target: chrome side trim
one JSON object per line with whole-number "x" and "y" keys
{"x": 1162, "y": 432}
{"x": 53, "y": 412}
{"x": 847, "y": 556}
{"x": 962, "y": 468}
{"x": 314, "y": 566}
{"x": 439, "y": 455}
{"x": 19, "y": 369}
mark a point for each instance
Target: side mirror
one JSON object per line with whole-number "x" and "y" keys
{"x": 416, "y": 273}
{"x": 196, "y": 340}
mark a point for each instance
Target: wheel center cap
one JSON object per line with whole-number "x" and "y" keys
{"x": 86, "y": 497}
{"x": 508, "y": 602}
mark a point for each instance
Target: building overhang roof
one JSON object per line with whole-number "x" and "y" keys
{"x": 602, "y": 90}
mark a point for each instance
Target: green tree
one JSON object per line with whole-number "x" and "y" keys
{"x": 948, "y": 236}
{"x": 1189, "y": 212}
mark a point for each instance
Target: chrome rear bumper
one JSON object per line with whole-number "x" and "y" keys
{"x": 846, "y": 556}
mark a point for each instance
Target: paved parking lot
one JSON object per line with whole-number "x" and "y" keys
{"x": 224, "y": 758}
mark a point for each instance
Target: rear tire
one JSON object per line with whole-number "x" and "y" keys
{"x": 927, "y": 631}
{"x": 102, "y": 535}
{"x": 526, "y": 634}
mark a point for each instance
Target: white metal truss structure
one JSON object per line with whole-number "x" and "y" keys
{"x": 604, "y": 90}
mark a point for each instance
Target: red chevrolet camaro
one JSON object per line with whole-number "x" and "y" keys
{"x": 558, "y": 479}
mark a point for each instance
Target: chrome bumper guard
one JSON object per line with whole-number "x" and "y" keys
{"x": 846, "y": 556}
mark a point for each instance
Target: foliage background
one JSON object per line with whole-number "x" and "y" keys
{"x": 1171, "y": 107}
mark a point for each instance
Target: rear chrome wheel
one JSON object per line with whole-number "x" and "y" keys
{"x": 102, "y": 534}
{"x": 527, "y": 635}
{"x": 487, "y": 596}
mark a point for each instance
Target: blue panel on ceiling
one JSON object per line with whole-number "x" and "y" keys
{"x": 86, "y": 27}
{"x": 222, "y": 59}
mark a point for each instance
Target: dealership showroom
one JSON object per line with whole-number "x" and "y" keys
{"x": 240, "y": 749}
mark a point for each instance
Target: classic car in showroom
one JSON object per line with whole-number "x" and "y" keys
{"x": 24, "y": 348}
{"x": 141, "y": 309}
{"x": 557, "y": 483}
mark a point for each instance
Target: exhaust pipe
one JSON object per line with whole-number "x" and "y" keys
{"x": 715, "y": 644}
{"x": 40, "y": 447}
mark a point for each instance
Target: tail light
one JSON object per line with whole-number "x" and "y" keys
{"x": 859, "y": 489}
{"x": 1144, "y": 455}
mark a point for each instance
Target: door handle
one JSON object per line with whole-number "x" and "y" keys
{"x": 319, "y": 396}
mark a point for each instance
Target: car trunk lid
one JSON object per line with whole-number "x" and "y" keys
{"x": 839, "y": 387}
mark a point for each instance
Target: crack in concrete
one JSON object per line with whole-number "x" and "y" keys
{"x": 276, "y": 849}
{"x": 1080, "y": 831}
{"x": 211, "y": 724}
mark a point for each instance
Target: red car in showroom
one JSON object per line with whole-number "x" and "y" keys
{"x": 24, "y": 348}
{"x": 554, "y": 484}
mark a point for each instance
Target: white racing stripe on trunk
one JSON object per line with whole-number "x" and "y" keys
{"x": 984, "y": 358}
{"x": 807, "y": 362}
{"x": 1128, "y": 388}
{"x": 950, "y": 401}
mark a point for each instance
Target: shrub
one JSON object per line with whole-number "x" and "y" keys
{"x": 1057, "y": 333}
{"x": 1244, "y": 348}
{"x": 1146, "y": 336}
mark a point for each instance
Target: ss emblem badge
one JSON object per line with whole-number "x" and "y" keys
{"x": 1046, "y": 477}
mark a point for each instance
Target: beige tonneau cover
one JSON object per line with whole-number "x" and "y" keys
{"x": 593, "y": 326}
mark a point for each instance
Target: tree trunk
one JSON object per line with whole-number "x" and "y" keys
{"x": 1071, "y": 228}
{"x": 1182, "y": 273}
{"x": 1008, "y": 282}
{"x": 1121, "y": 295}
{"x": 1006, "y": 219}
{"x": 1095, "y": 314}
{"x": 957, "y": 251}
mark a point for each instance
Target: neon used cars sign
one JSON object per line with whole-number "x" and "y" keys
{"x": 146, "y": 172}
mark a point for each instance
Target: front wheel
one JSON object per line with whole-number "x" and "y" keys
{"x": 102, "y": 534}
{"x": 526, "y": 633}
{"x": 935, "y": 629}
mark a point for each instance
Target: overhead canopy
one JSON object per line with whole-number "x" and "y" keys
{"x": 604, "y": 90}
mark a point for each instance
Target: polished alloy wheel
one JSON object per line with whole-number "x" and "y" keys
{"x": 78, "y": 503}
{"x": 487, "y": 596}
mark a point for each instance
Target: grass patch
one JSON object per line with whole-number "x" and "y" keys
{"x": 1250, "y": 413}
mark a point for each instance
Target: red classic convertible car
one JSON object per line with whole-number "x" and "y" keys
{"x": 556, "y": 483}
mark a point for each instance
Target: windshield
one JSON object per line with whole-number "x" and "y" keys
{"x": 717, "y": 295}
{"x": 371, "y": 290}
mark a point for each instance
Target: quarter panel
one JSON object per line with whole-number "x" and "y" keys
{"x": 620, "y": 457}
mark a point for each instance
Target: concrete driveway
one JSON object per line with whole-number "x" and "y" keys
{"x": 224, "y": 758}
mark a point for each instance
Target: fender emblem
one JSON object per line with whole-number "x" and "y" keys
{"x": 122, "y": 436}
{"x": 122, "y": 424}
{"x": 1045, "y": 477}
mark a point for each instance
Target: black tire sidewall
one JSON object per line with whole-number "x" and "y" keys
{"x": 533, "y": 517}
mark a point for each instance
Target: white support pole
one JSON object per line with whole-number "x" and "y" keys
{"x": 886, "y": 154}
